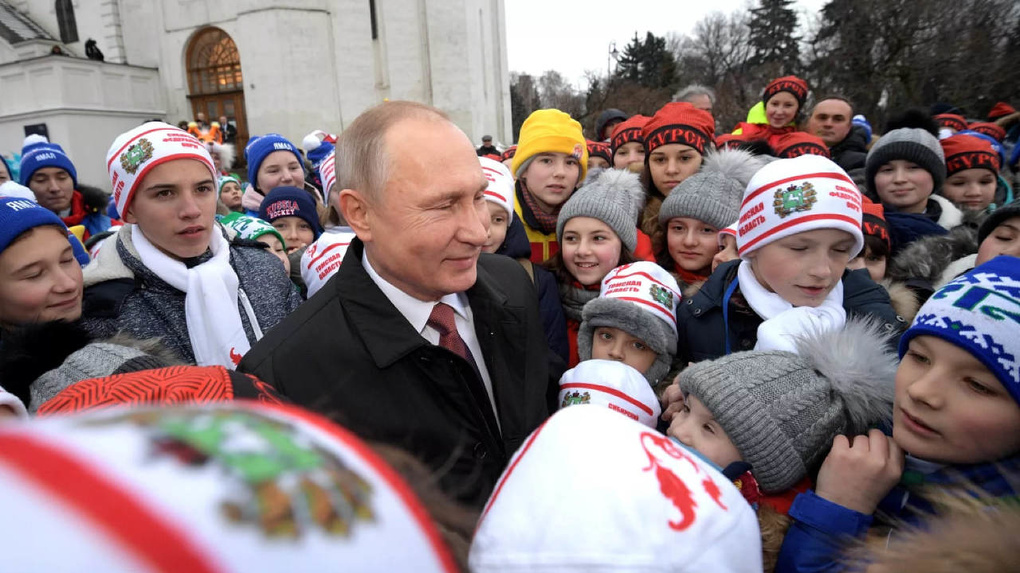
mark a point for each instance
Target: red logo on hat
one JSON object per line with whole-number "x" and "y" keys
{"x": 674, "y": 488}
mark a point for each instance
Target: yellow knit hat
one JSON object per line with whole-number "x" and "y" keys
{"x": 550, "y": 131}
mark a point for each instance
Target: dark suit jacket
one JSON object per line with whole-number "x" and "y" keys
{"x": 348, "y": 353}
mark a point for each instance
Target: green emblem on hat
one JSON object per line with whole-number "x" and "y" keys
{"x": 661, "y": 295}
{"x": 136, "y": 155}
{"x": 794, "y": 198}
{"x": 575, "y": 398}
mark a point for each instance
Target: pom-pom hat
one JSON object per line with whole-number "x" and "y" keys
{"x": 135, "y": 152}
{"x": 790, "y": 196}
{"x": 614, "y": 197}
{"x": 679, "y": 122}
{"x": 613, "y": 385}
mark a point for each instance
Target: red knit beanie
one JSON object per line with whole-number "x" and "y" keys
{"x": 969, "y": 152}
{"x": 951, "y": 120}
{"x": 508, "y": 153}
{"x": 791, "y": 84}
{"x": 873, "y": 220}
{"x": 599, "y": 149}
{"x": 992, "y": 130}
{"x": 729, "y": 141}
{"x": 627, "y": 131}
{"x": 799, "y": 143}
{"x": 1000, "y": 109}
{"x": 680, "y": 122}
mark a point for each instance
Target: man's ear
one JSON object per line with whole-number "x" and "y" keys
{"x": 356, "y": 210}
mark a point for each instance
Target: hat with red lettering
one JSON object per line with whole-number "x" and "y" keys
{"x": 591, "y": 490}
{"x": 797, "y": 143}
{"x": 790, "y": 196}
{"x": 951, "y": 121}
{"x": 969, "y": 152}
{"x": 135, "y": 152}
{"x": 508, "y": 153}
{"x": 327, "y": 175}
{"x": 790, "y": 84}
{"x": 1000, "y": 109}
{"x": 680, "y": 122}
{"x": 639, "y": 299}
{"x": 612, "y": 384}
{"x": 599, "y": 149}
{"x": 290, "y": 202}
{"x": 223, "y": 487}
{"x": 626, "y": 132}
{"x": 501, "y": 185}
{"x": 992, "y": 130}
{"x": 873, "y": 220}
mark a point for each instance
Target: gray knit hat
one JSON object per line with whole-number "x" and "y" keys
{"x": 911, "y": 144}
{"x": 713, "y": 195}
{"x": 782, "y": 410}
{"x": 615, "y": 197}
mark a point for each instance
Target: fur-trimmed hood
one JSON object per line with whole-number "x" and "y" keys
{"x": 951, "y": 216}
{"x": 902, "y": 299}
{"x": 927, "y": 258}
{"x": 96, "y": 200}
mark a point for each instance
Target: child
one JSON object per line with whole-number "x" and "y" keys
{"x": 254, "y": 229}
{"x": 999, "y": 234}
{"x": 633, "y": 321}
{"x": 596, "y": 234}
{"x": 903, "y": 171}
{"x": 627, "y": 146}
{"x": 779, "y": 411}
{"x": 612, "y": 384}
{"x": 273, "y": 162}
{"x": 598, "y": 155}
{"x": 687, "y": 238}
{"x": 230, "y": 193}
{"x": 972, "y": 171}
{"x": 676, "y": 139}
{"x": 173, "y": 272}
{"x": 550, "y": 162}
{"x": 797, "y": 143}
{"x": 876, "y": 241}
{"x": 799, "y": 226}
{"x": 291, "y": 211}
{"x": 783, "y": 100}
{"x": 956, "y": 414}
{"x": 506, "y": 237}
{"x": 322, "y": 259}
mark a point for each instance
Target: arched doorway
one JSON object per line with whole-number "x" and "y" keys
{"x": 215, "y": 85}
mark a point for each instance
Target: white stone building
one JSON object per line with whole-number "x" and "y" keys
{"x": 286, "y": 66}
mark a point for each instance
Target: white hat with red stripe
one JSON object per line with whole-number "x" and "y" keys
{"x": 611, "y": 384}
{"x": 790, "y": 196}
{"x": 591, "y": 490}
{"x": 640, "y": 299}
{"x": 327, "y": 175}
{"x": 241, "y": 486}
{"x": 501, "y": 185}
{"x": 135, "y": 152}
{"x": 322, "y": 259}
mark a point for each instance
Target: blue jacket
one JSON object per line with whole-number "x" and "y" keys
{"x": 517, "y": 246}
{"x": 820, "y": 529}
{"x": 702, "y": 331}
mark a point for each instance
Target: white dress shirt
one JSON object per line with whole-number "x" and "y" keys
{"x": 417, "y": 312}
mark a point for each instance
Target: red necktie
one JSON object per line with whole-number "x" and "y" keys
{"x": 442, "y": 319}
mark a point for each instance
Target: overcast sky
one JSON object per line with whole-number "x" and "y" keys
{"x": 571, "y": 37}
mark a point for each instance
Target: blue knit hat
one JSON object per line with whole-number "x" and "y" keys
{"x": 19, "y": 215}
{"x": 290, "y": 202}
{"x": 260, "y": 147}
{"x": 980, "y": 313}
{"x": 38, "y": 152}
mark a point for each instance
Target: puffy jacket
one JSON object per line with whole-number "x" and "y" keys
{"x": 702, "y": 330}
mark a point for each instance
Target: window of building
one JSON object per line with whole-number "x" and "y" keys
{"x": 65, "y": 20}
{"x": 214, "y": 65}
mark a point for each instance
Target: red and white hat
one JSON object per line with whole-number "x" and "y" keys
{"x": 323, "y": 258}
{"x": 501, "y": 185}
{"x": 591, "y": 490}
{"x": 227, "y": 487}
{"x": 647, "y": 285}
{"x": 135, "y": 152}
{"x": 613, "y": 385}
{"x": 790, "y": 196}
{"x": 327, "y": 174}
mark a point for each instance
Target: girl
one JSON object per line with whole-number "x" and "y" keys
{"x": 292, "y": 212}
{"x": 687, "y": 238}
{"x": 273, "y": 162}
{"x": 676, "y": 139}
{"x": 550, "y": 162}
{"x": 627, "y": 146}
{"x": 783, "y": 99}
{"x": 972, "y": 170}
{"x": 596, "y": 234}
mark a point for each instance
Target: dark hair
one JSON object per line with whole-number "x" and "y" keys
{"x": 876, "y": 245}
{"x": 757, "y": 147}
{"x": 913, "y": 118}
{"x": 558, "y": 268}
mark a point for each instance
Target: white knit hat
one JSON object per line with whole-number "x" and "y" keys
{"x": 501, "y": 185}
{"x": 611, "y": 384}
{"x": 591, "y": 490}
{"x": 327, "y": 174}
{"x": 790, "y": 196}
{"x": 137, "y": 151}
{"x": 227, "y": 487}
{"x": 322, "y": 259}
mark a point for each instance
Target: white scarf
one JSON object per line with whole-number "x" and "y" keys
{"x": 210, "y": 305}
{"x": 785, "y": 322}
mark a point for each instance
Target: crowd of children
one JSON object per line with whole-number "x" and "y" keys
{"x": 793, "y": 366}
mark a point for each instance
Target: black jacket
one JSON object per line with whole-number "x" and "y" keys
{"x": 349, "y": 353}
{"x": 702, "y": 330}
{"x": 851, "y": 153}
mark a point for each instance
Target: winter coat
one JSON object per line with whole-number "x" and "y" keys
{"x": 543, "y": 245}
{"x": 516, "y": 246}
{"x": 88, "y": 208}
{"x": 930, "y": 262}
{"x": 122, "y": 294}
{"x": 820, "y": 529}
{"x": 852, "y": 151}
{"x": 702, "y": 330}
{"x": 349, "y": 353}
{"x": 940, "y": 215}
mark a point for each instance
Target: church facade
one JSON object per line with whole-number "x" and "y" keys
{"x": 284, "y": 66}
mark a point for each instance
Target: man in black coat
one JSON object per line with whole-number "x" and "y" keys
{"x": 366, "y": 349}
{"x": 832, "y": 120}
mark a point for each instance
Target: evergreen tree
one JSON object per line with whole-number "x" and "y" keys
{"x": 648, "y": 63}
{"x": 773, "y": 27}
